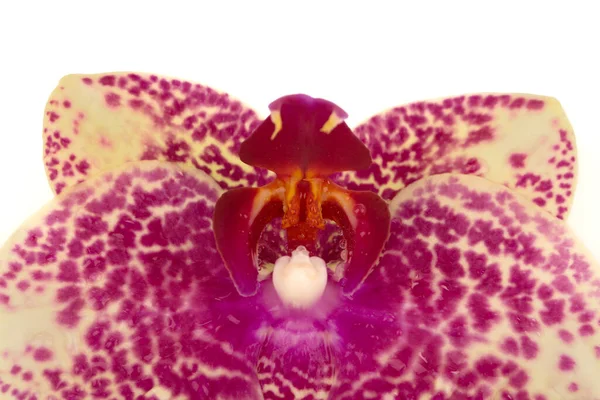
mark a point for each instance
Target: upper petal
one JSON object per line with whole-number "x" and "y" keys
{"x": 479, "y": 294}
{"x": 522, "y": 141}
{"x": 96, "y": 122}
{"x": 115, "y": 290}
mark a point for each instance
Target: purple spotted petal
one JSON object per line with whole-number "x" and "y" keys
{"x": 115, "y": 290}
{"x": 479, "y": 295}
{"x": 93, "y": 123}
{"x": 519, "y": 140}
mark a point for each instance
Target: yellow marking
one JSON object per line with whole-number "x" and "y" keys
{"x": 230, "y": 157}
{"x": 290, "y": 186}
{"x": 316, "y": 186}
{"x": 331, "y": 123}
{"x": 160, "y": 392}
{"x": 276, "y": 119}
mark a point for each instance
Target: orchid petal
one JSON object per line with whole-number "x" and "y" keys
{"x": 93, "y": 123}
{"x": 115, "y": 289}
{"x": 519, "y": 140}
{"x": 121, "y": 288}
{"x": 479, "y": 294}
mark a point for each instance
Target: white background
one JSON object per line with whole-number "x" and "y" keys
{"x": 364, "y": 58}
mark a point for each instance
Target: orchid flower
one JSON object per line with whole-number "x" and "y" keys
{"x": 197, "y": 251}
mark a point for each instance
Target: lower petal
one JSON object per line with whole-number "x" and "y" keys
{"x": 478, "y": 294}
{"x": 116, "y": 290}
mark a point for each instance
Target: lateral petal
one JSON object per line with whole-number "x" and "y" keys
{"x": 479, "y": 294}
{"x": 116, "y": 290}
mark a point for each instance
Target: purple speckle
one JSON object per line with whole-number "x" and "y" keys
{"x": 107, "y": 80}
{"x": 566, "y": 336}
{"x": 573, "y": 387}
{"x": 530, "y": 348}
{"x": 42, "y": 354}
{"x": 517, "y": 160}
{"x": 68, "y": 272}
{"x": 586, "y": 330}
{"x": 566, "y": 363}
{"x": 113, "y": 100}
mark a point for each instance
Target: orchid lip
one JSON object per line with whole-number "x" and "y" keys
{"x": 302, "y": 193}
